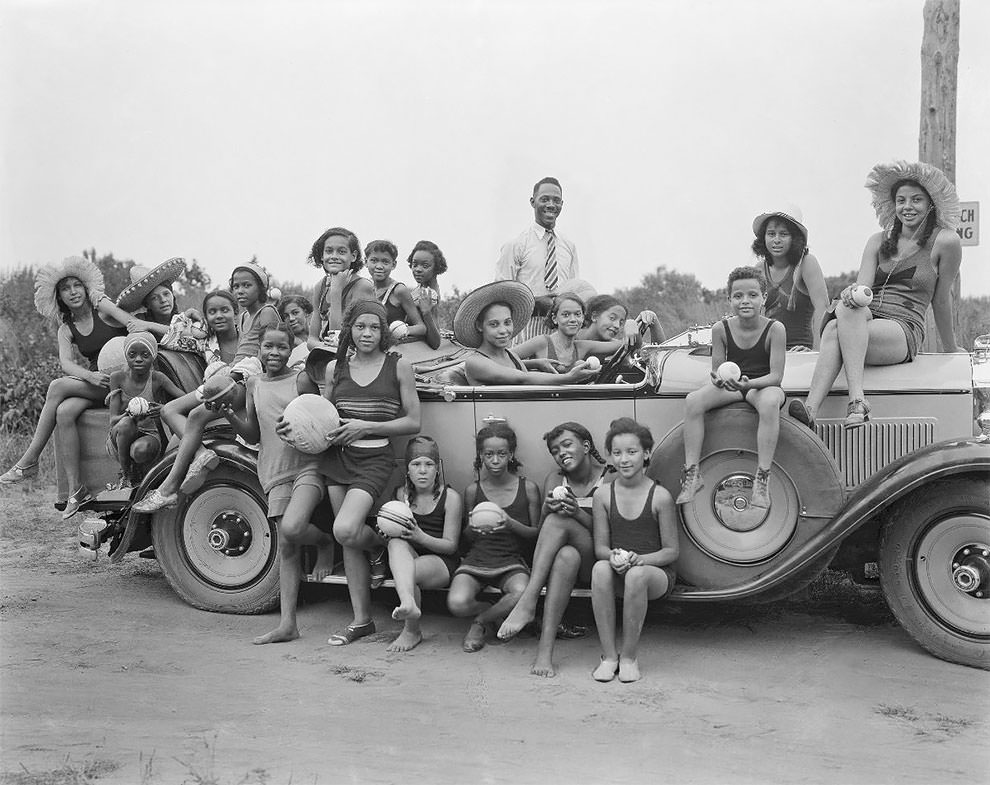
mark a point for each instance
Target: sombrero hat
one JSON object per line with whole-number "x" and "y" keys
{"x": 47, "y": 278}
{"x": 881, "y": 180}
{"x": 516, "y": 295}
{"x": 790, "y": 212}
{"x": 144, "y": 280}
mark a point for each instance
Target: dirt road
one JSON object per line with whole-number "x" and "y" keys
{"x": 108, "y": 677}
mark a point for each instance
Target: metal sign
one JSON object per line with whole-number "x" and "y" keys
{"x": 969, "y": 223}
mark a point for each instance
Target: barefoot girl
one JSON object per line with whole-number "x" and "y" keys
{"x": 380, "y": 256}
{"x": 757, "y": 345}
{"x": 71, "y": 292}
{"x": 559, "y": 349}
{"x": 910, "y": 264}
{"x": 487, "y": 320}
{"x": 294, "y": 481}
{"x": 193, "y": 462}
{"x": 796, "y": 291}
{"x": 605, "y": 320}
{"x": 424, "y": 557}
{"x": 296, "y": 311}
{"x": 495, "y": 557}
{"x": 374, "y": 391}
{"x": 338, "y": 253}
{"x": 427, "y": 262}
{"x": 133, "y": 437}
{"x": 635, "y": 530}
{"x": 564, "y": 548}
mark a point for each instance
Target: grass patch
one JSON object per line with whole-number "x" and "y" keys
{"x": 67, "y": 774}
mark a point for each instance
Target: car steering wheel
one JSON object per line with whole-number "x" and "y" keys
{"x": 612, "y": 365}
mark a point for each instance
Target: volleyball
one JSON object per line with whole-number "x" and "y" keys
{"x": 486, "y": 516}
{"x": 399, "y": 329}
{"x": 593, "y": 363}
{"x": 310, "y": 417}
{"x": 112, "y": 356}
{"x": 728, "y": 372}
{"x": 559, "y": 493}
{"x": 138, "y": 406}
{"x": 619, "y": 556}
{"x": 425, "y": 293}
{"x": 861, "y": 295}
{"x": 394, "y": 519}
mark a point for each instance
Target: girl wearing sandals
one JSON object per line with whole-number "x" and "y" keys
{"x": 293, "y": 481}
{"x": 564, "y": 548}
{"x": 487, "y": 320}
{"x": 374, "y": 391}
{"x": 338, "y": 253}
{"x": 909, "y": 265}
{"x": 424, "y": 556}
{"x": 495, "y": 556}
{"x": 71, "y": 292}
{"x": 796, "y": 291}
{"x": 635, "y": 532}
{"x": 189, "y": 417}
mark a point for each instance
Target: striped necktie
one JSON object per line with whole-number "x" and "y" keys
{"x": 550, "y": 271}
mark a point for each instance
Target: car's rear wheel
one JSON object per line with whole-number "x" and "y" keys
{"x": 217, "y": 547}
{"x": 935, "y": 568}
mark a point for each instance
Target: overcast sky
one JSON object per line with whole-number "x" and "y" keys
{"x": 218, "y": 130}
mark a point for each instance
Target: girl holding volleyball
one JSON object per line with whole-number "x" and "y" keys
{"x": 424, "y": 555}
{"x": 294, "y": 481}
{"x": 374, "y": 391}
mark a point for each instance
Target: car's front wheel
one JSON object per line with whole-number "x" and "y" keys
{"x": 935, "y": 568}
{"x": 217, "y": 547}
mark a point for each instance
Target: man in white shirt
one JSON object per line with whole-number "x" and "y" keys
{"x": 540, "y": 257}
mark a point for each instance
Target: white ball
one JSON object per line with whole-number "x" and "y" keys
{"x": 394, "y": 518}
{"x": 559, "y": 493}
{"x": 311, "y": 417}
{"x": 111, "y": 357}
{"x": 728, "y": 371}
{"x": 424, "y": 293}
{"x": 138, "y": 406}
{"x": 861, "y": 295}
{"x": 399, "y": 329}
{"x": 594, "y": 364}
{"x": 485, "y": 516}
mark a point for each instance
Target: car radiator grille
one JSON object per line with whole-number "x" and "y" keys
{"x": 863, "y": 451}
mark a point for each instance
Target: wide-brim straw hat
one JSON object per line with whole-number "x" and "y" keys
{"x": 943, "y": 194}
{"x": 789, "y": 211}
{"x": 47, "y": 278}
{"x": 516, "y": 295}
{"x": 144, "y": 280}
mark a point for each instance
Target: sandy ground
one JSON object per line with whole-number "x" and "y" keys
{"x": 108, "y": 677}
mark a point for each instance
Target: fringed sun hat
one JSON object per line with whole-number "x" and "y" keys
{"x": 791, "y": 212}
{"x": 47, "y": 278}
{"x": 516, "y": 295}
{"x": 144, "y": 280}
{"x": 881, "y": 180}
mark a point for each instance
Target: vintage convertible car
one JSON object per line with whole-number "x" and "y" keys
{"x": 909, "y": 491}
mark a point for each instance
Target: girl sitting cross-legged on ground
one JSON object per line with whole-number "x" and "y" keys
{"x": 425, "y": 555}
{"x": 495, "y": 555}
{"x": 635, "y": 530}
{"x": 564, "y": 548}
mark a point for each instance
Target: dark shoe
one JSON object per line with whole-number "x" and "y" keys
{"x": 475, "y": 638}
{"x": 801, "y": 413}
{"x": 60, "y": 505}
{"x": 761, "y": 489}
{"x": 567, "y": 631}
{"x": 351, "y": 633}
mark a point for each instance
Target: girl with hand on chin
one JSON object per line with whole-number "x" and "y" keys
{"x": 909, "y": 265}
{"x": 427, "y": 261}
{"x": 487, "y": 320}
{"x": 338, "y": 253}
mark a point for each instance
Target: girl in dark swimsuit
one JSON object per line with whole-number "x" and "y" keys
{"x": 380, "y": 257}
{"x": 635, "y": 530}
{"x": 338, "y": 253}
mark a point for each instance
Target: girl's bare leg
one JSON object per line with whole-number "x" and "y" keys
{"x": 351, "y": 508}
{"x": 512, "y": 590}
{"x": 767, "y": 402}
{"x": 641, "y": 585}
{"x": 67, "y": 438}
{"x": 430, "y": 573}
{"x": 603, "y": 605}
{"x": 402, "y": 562}
{"x": 175, "y": 413}
{"x": 125, "y": 432}
{"x": 563, "y": 576}
{"x": 826, "y": 369}
{"x": 58, "y": 391}
{"x": 192, "y": 440}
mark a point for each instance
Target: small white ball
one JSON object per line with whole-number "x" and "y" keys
{"x": 728, "y": 371}
{"x": 594, "y": 364}
{"x": 138, "y": 406}
{"x": 399, "y": 329}
{"x": 861, "y": 295}
{"x": 559, "y": 493}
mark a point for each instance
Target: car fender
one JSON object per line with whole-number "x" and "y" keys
{"x": 935, "y": 462}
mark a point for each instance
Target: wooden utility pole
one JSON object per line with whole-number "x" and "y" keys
{"x": 937, "y": 137}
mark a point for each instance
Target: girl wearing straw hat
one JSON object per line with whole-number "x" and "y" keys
{"x": 796, "y": 289}
{"x": 909, "y": 265}
{"x": 151, "y": 290}
{"x": 71, "y": 292}
{"x": 487, "y": 320}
